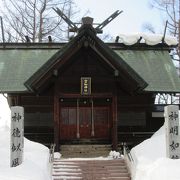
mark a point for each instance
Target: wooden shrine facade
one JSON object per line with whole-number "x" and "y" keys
{"x": 87, "y": 90}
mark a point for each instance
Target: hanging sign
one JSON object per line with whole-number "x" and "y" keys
{"x": 172, "y": 131}
{"x": 17, "y": 136}
{"x": 85, "y": 85}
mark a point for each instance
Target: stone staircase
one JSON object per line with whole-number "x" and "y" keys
{"x": 64, "y": 169}
{"x": 85, "y": 151}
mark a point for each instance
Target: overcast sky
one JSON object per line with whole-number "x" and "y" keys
{"x": 135, "y": 13}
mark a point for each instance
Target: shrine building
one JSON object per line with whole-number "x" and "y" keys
{"x": 86, "y": 90}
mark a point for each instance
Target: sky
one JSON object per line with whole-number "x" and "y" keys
{"x": 135, "y": 14}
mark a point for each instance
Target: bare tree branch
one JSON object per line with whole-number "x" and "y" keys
{"x": 34, "y": 18}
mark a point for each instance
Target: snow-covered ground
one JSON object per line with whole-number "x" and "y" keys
{"x": 151, "y": 162}
{"x": 36, "y": 156}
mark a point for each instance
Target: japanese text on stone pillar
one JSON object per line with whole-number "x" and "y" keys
{"x": 172, "y": 131}
{"x": 17, "y": 135}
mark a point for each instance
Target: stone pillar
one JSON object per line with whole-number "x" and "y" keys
{"x": 17, "y": 136}
{"x": 172, "y": 125}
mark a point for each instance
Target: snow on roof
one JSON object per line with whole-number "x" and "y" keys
{"x": 149, "y": 39}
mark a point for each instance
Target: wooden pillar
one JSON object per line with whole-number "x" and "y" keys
{"x": 56, "y": 122}
{"x": 114, "y": 123}
{"x": 92, "y": 118}
{"x": 77, "y": 119}
{"x": 14, "y": 100}
{"x": 18, "y": 100}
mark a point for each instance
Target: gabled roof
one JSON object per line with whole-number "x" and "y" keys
{"x": 16, "y": 66}
{"x": 147, "y": 67}
{"x": 86, "y": 38}
{"x": 156, "y": 67}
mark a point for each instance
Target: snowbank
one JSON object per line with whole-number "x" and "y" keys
{"x": 4, "y": 112}
{"x": 151, "y": 162}
{"x": 149, "y": 39}
{"x": 36, "y": 156}
{"x": 35, "y": 165}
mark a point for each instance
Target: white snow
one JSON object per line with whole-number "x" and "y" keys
{"x": 4, "y": 112}
{"x": 35, "y": 165}
{"x": 36, "y": 156}
{"x": 151, "y": 162}
{"x": 114, "y": 155}
{"x": 129, "y": 39}
{"x": 149, "y": 39}
{"x": 57, "y": 155}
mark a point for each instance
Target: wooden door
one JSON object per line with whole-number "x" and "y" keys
{"x": 101, "y": 122}
{"x": 68, "y": 123}
{"x": 95, "y": 119}
{"x": 85, "y": 122}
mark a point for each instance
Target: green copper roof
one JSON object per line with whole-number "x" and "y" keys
{"x": 155, "y": 67}
{"x": 16, "y": 66}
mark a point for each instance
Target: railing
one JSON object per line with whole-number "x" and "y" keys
{"x": 51, "y": 158}
{"x": 51, "y": 153}
{"x": 127, "y": 152}
{"x": 129, "y": 160}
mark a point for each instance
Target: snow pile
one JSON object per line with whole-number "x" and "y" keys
{"x": 35, "y": 165}
{"x": 151, "y": 162}
{"x": 114, "y": 155}
{"x": 36, "y": 156}
{"x": 4, "y": 112}
{"x": 149, "y": 39}
{"x": 57, "y": 155}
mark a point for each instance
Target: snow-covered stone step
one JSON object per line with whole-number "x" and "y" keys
{"x": 92, "y": 178}
{"x": 90, "y": 169}
{"x": 95, "y": 161}
{"x": 95, "y": 174}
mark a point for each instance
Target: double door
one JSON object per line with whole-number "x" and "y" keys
{"x": 84, "y": 122}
